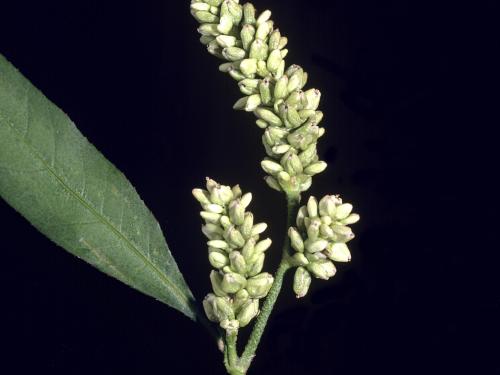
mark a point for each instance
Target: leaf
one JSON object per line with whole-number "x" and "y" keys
{"x": 58, "y": 181}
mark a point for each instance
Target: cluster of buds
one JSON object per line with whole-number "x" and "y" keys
{"x": 255, "y": 51}
{"x": 236, "y": 253}
{"x": 320, "y": 239}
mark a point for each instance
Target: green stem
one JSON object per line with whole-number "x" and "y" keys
{"x": 267, "y": 308}
{"x": 232, "y": 353}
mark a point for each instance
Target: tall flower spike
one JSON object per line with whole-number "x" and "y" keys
{"x": 320, "y": 239}
{"x": 255, "y": 53}
{"x": 236, "y": 253}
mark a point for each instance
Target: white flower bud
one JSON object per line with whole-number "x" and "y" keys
{"x": 301, "y": 282}
{"x": 312, "y": 207}
{"x": 248, "y": 66}
{"x": 225, "y": 24}
{"x": 246, "y": 227}
{"x": 258, "y": 229}
{"x": 338, "y": 252}
{"x": 263, "y": 17}
{"x": 343, "y": 211}
{"x": 262, "y": 246}
{"x": 258, "y": 286}
{"x": 327, "y": 206}
{"x": 218, "y": 244}
{"x": 212, "y": 207}
{"x": 210, "y": 217}
{"x": 271, "y": 167}
{"x": 252, "y": 103}
{"x": 315, "y": 246}
{"x": 296, "y": 239}
{"x": 322, "y": 269}
{"x": 226, "y": 41}
{"x": 202, "y": 196}
{"x": 315, "y": 168}
{"x": 351, "y": 219}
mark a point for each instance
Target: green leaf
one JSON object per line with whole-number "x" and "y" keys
{"x": 58, "y": 181}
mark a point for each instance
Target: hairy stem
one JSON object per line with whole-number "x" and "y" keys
{"x": 267, "y": 308}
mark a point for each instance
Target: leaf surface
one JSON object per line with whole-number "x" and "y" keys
{"x": 71, "y": 193}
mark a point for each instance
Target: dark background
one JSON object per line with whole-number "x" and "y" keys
{"x": 409, "y": 99}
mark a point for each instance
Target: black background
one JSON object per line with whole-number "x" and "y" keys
{"x": 409, "y": 98}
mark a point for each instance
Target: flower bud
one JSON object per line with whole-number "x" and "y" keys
{"x": 240, "y": 103}
{"x": 214, "y": 3}
{"x": 283, "y": 42}
{"x": 234, "y": 236}
{"x": 246, "y": 227}
{"x": 240, "y": 299}
{"x": 343, "y": 211}
{"x": 258, "y": 286}
{"x": 301, "y": 282}
{"x": 216, "y": 281}
{"x": 295, "y": 81}
{"x": 202, "y": 196}
{"x": 247, "y": 312}
{"x": 248, "y": 13}
{"x": 351, "y": 219}
{"x": 217, "y": 259}
{"x": 247, "y": 36}
{"x": 258, "y": 229}
{"x": 263, "y": 17}
{"x": 265, "y": 92}
{"x": 272, "y": 183}
{"x": 274, "y": 60}
{"x": 209, "y": 307}
{"x": 258, "y": 50}
{"x": 343, "y": 231}
{"x": 322, "y": 269}
{"x": 218, "y": 244}
{"x": 226, "y": 41}
{"x": 200, "y": 6}
{"x": 261, "y": 123}
{"x": 316, "y": 245}
{"x": 253, "y": 102}
{"x": 233, "y": 282}
{"x": 248, "y": 66}
{"x": 315, "y": 168}
{"x": 225, "y": 221}
{"x": 256, "y": 267}
{"x": 325, "y": 231}
{"x": 225, "y": 24}
{"x": 263, "y": 30}
{"x": 231, "y": 326}
{"x": 312, "y": 207}
{"x": 249, "y": 249}
{"x": 206, "y": 39}
{"x": 313, "y": 229}
{"x": 210, "y": 217}
{"x": 203, "y": 16}
{"x": 271, "y": 167}
{"x": 295, "y": 239}
{"x": 269, "y": 116}
{"x": 300, "y": 259}
{"x": 314, "y": 257}
{"x": 236, "y": 212}
{"x": 233, "y": 53}
{"x": 301, "y": 214}
{"x": 338, "y": 252}
{"x": 262, "y": 246}
{"x": 313, "y": 97}
{"x": 294, "y": 117}
{"x": 280, "y": 90}
{"x": 327, "y": 206}
{"x": 238, "y": 263}
{"x": 212, "y": 231}
{"x": 274, "y": 40}
{"x": 235, "y": 10}
{"x": 209, "y": 29}
{"x": 212, "y": 207}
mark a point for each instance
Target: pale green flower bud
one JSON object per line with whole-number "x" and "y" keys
{"x": 268, "y": 139}
{"x": 252, "y": 103}
{"x": 313, "y": 97}
{"x": 246, "y": 199}
{"x": 261, "y": 123}
{"x": 274, "y": 40}
{"x": 258, "y": 50}
{"x": 212, "y": 207}
{"x": 338, "y": 252}
{"x": 221, "y": 195}
{"x": 209, "y": 307}
{"x": 262, "y": 69}
{"x": 305, "y": 182}
{"x": 200, "y": 6}
{"x": 268, "y": 116}
{"x": 258, "y": 229}
{"x": 327, "y": 206}
{"x": 216, "y": 281}
{"x": 265, "y": 91}
{"x": 205, "y": 17}
{"x": 343, "y": 211}
{"x": 218, "y": 244}
{"x": 236, "y": 191}
{"x": 235, "y": 10}
{"x": 233, "y": 282}
{"x": 258, "y": 286}
{"x": 209, "y": 29}
{"x": 240, "y": 299}
{"x": 248, "y": 66}
{"x": 315, "y": 168}
{"x": 342, "y": 230}
{"x": 322, "y": 269}
{"x": 240, "y": 103}
{"x": 214, "y": 3}
{"x": 233, "y": 53}
{"x": 248, "y": 13}
{"x": 295, "y": 81}
{"x": 256, "y": 267}
{"x": 271, "y": 167}
{"x": 293, "y": 117}
{"x": 300, "y": 259}
{"x": 247, "y": 35}
{"x": 283, "y": 42}
{"x": 316, "y": 245}
{"x": 226, "y": 41}
{"x": 314, "y": 257}
{"x": 205, "y": 39}
{"x": 202, "y": 196}
{"x": 248, "y": 250}
{"x": 238, "y": 263}
{"x": 263, "y": 30}
{"x": 249, "y": 86}
{"x": 312, "y": 207}
{"x": 218, "y": 260}
{"x": 225, "y": 24}
{"x": 301, "y": 282}
{"x": 301, "y": 214}
{"x": 280, "y": 90}
{"x": 351, "y": 219}
{"x": 272, "y": 183}
{"x": 246, "y": 227}
{"x": 210, "y": 217}
{"x": 263, "y": 17}
{"x": 262, "y": 246}
{"x": 313, "y": 229}
{"x": 214, "y": 10}
{"x": 214, "y": 49}
{"x": 225, "y": 221}
{"x": 212, "y": 231}
{"x": 234, "y": 236}
{"x": 326, "y": 231}
{"x": 296, "y": 239}
{"x": 326, "y": 220}
{"x": 247, "y": 312}
{"x": 236, "y": 212}
{"x": 292, "y": 163}
{"x": 281, "y": 149}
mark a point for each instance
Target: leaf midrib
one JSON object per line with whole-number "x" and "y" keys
{"x": 100, "y": 217}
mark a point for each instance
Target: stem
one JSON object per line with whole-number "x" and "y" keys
{"x": 232, "y": 354}
{"x": 267, "y": 308}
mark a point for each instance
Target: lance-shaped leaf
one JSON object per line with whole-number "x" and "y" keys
{"x": 58, "y": 181}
